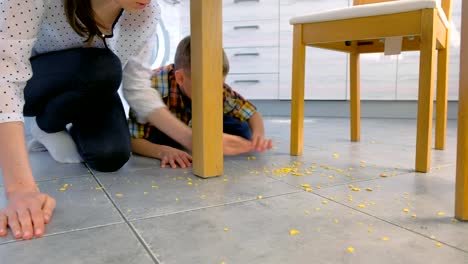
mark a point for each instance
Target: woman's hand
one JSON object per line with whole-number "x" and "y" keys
{"x": 26, "y": 214}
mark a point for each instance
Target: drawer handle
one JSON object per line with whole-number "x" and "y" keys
{"x": 240, "y": 1}
{"x": 247, "y": 54}
{"x": 246, "y": 27}
{"x": 246, "y": 81}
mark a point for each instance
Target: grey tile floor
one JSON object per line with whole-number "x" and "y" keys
{"x": 144, "y": 214}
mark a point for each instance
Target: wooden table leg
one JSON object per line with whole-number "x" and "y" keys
{"x": 207, "y": 83}
{"x": 461, "y": 190}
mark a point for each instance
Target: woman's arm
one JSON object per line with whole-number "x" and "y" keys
{"x": 27, "y": 209}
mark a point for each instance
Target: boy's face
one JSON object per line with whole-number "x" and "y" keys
{"x": 184, "y": 81}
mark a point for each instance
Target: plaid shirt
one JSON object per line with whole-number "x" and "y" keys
{"x": 163, "y": 80}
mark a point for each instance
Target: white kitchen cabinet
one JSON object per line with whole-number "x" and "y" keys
{"x": 254, "y": 86}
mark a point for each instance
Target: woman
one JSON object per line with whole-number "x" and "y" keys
{"x": 69, "y": 57}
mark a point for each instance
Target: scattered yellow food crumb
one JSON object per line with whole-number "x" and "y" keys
{"x": 454, "y": 220}
{"x": 440, "y": 213}
{"x": 385, "y": 238}
{"x": 351, "y": 249}
{"x": 336, "y": 221}
{"x": 154, "y": 186}
{"x": 189, "y": 183}
{"x": 177, "y": 199}
{"x": 317, "y": 209}
{"x": 361, "y": 205}
{"x": 369, "y": 230}
{"x": 369, "y": 189}
{"x": 119, "y": 195}
{"x": 308, "y": 189}
{"x": 145, "y": 193}
{"x": 226, "y": 229}
{"x": 336, "y": 156}
{"x": 294, "y": 232}
{"x": 339, "y": 170}
{"x": 332, "y": 198}
{"x": 324, "y": 201}
{"x": 259, "y": 197}
{"x": 225, "y": 179}
{"x": 406, "y": 210}
{"x": 297, "y": 174}
{"x": 305, "y": 185}
{"x": 356, "y": 189}
{"x": 64, "y": 188}
{"x": 383, "y": 175}
{"x": 413, "y": 215}
{"x": 203, "y": 196}
{"x": 99, "y": 188}
{"x": 129, "y": 210}
{"x": 438, "y": 244}
{"x": 331, "y": 177}
{"x": 306, "y": 212}
{"x": 313, "y": 167}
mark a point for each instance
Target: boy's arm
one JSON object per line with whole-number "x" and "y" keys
{"x": 166, "y": 154}
{"x": 174, "y": 128}
{"x": 256, "y": 124}
{"x": 240, "y": 108}
{"x": 258, "y": 133}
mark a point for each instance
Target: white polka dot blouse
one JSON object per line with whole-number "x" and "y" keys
{"x": 32, "y": 27}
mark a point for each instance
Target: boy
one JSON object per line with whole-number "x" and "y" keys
{"x": 175, "y": 86}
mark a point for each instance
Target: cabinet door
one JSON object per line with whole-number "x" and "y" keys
{"x": 254, "y": 86}
{"x": 250, "y": 33}
{"x": 326, "y": 71}
{"x": 253, "y": 60}
{"x": 378, "y": 77}
{"x": 238, "y": 10}
{"x": 325, "y": 76}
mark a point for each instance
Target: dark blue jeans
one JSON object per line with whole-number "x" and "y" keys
{"x": 79, "y": 86}
{"x": 231, "y": 126}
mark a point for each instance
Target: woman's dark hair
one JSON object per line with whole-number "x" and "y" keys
{"x": 80, "y": 16}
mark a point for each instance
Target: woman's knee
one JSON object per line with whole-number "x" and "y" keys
{"x": 109, "y": 159}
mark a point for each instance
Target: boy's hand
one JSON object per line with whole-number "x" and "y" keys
{"x": 174, "y": 157}
{"x": 260, "y": 143}
{"x": 26, "y": 214}
{"x": 235, "y": 145}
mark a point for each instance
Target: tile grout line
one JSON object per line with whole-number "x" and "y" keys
{"x": 373, "y": 216}
{"x": 388, "y": 222}
{"x": 129, "y": 224}
{"x": 65, "y": 232}
{"x": 214, "y": 206}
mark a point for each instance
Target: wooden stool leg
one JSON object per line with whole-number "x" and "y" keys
{"x": 442, "y": 97}
{"x": 297, "y": 102}
{"x": 426, "y": 91}
{"x": 355, "y": 86}
{"x": 461, "y": 190}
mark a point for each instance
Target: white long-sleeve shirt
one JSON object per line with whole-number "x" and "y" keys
{"x": 32, "y": 27}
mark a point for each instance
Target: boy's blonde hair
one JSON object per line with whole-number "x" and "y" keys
{"x": 182, "y": 57}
